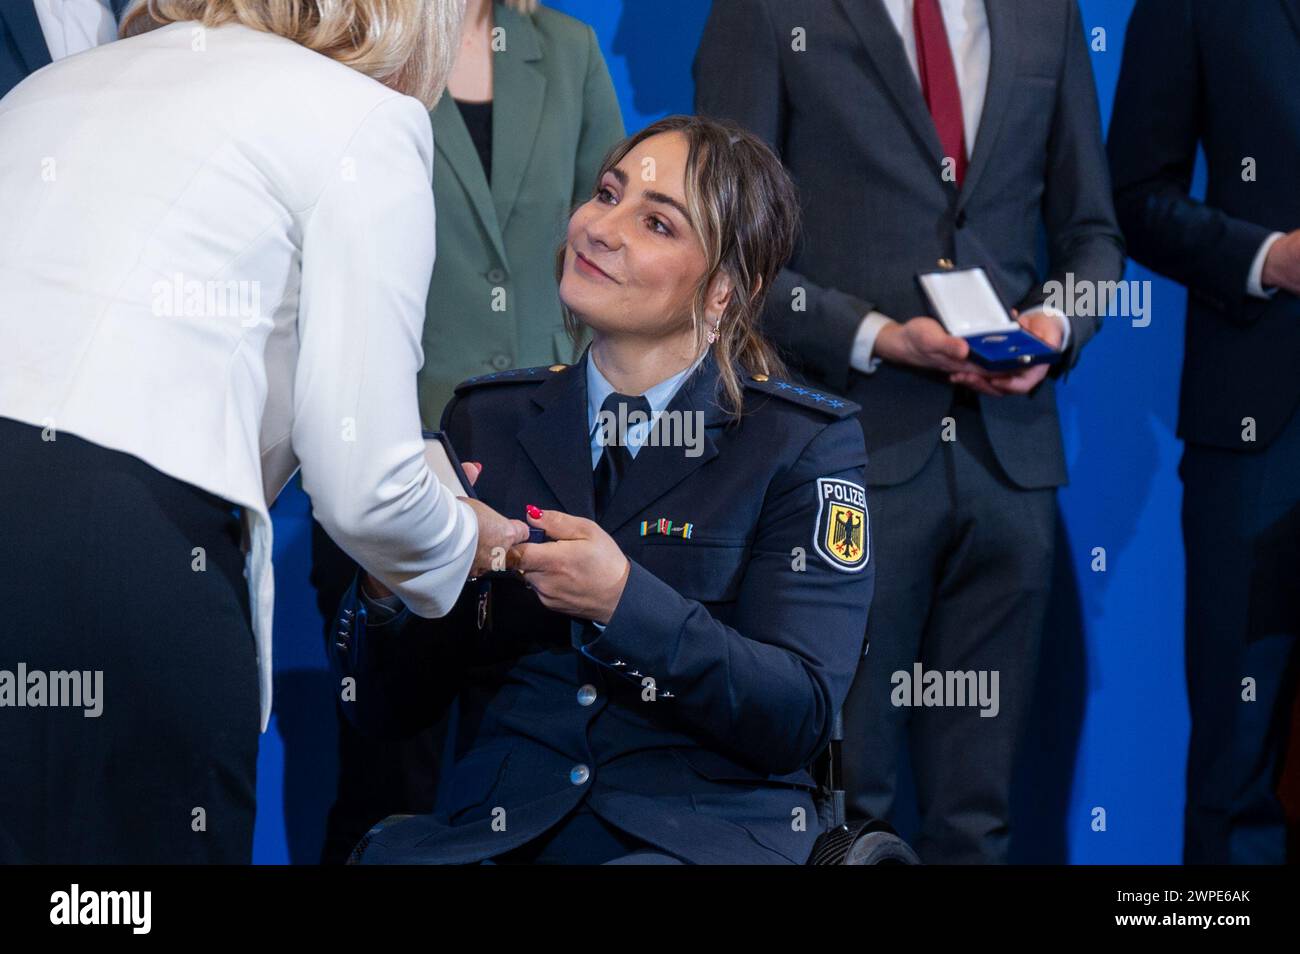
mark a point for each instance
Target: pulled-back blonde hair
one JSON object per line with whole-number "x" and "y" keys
{"x": 746, "y": 213}
{"x": 408, "y": 45}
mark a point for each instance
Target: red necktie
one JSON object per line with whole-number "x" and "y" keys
{"x": 939, "y": 81}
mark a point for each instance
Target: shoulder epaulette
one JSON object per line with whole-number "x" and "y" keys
{"x": 513, "y": 376}
{"x": 831, "y": 404}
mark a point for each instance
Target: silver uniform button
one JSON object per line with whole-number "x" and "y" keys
{"x": 586, "y": 695}
{"x": 579, "y": 774}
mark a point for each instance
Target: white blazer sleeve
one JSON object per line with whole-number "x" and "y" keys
{"x": 367, "y": 255}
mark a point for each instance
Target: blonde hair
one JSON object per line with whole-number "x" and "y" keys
{"x": 523, "y": 6}
{"x": 746, "y": 213}
{"x": 408, "y": 45}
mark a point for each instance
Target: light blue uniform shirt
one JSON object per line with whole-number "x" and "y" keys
{"x": 659, "y": 397}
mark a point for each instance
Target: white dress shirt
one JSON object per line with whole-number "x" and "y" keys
{"x": 967, "y": 25}
{"x": 1255, "y": 278}
{"x": 73, "y": 26}
{"x": 214, "y": 256}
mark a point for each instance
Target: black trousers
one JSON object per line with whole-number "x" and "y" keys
{"x": 119, "y": 573}
{"x": 962, "y": 578}
{"x": 1241, "y": 530}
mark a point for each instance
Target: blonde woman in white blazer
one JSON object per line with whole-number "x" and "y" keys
{"x": 216, "y": 238}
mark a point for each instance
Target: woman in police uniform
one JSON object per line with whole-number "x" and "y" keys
{"x": 652, "y": 681}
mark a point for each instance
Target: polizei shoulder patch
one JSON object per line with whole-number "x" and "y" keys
{"x": 842, "y": 535}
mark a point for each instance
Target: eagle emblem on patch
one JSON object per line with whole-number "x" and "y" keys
{"x": 842, "y": 535}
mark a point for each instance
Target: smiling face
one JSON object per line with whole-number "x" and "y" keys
{"x": 633, "y": 259}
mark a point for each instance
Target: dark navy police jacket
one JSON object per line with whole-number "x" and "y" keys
{"x": 690, "y": 721}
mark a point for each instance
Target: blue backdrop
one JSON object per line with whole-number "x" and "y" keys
{"x": 1110, "y": 725}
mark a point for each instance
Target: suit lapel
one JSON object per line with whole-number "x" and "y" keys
{"x": 658, "y": 469}
{"x": 27, "y": 34}
{"x": 1003, "y": 50}
{"x": 451, "y": 140}
{"x": 1293, "y": 12}
{"x": 885, "y": 48}
{"x": 557, "y": 440}
{"x": 519, "y": 92}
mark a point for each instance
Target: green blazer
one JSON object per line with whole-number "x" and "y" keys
{"x": 493, "y": 302}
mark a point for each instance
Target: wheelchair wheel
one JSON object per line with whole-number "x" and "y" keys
{"x": 880, "y": 848}
{"x": 863, "y": 843}
{"x": 359, "y": 851}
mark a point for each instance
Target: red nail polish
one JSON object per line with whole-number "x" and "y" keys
{"x": 534, "y": 512}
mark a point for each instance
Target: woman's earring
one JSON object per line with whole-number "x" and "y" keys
{"x": 713, "y": 332}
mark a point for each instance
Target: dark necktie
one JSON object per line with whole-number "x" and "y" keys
{"x": 616, "y": 458}
{"x": 939, "y": 81}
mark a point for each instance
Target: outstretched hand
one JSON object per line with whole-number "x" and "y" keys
{"x": 496, "y": 535}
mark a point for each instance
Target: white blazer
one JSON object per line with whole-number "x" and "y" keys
{"x": 215, "y": 248}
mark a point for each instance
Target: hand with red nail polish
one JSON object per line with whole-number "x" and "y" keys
{"x": 580, "y": 571}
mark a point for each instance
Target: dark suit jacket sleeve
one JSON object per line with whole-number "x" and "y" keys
{"x": 1154, "y": 133}
{"x": 405, "y": 669}
{"x": 602, "y": 121}
{"x": 1082, "y": 234}
{"x": 737, "y": 73}
{"x": 766, "y": 690}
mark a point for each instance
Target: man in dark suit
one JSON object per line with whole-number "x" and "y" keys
{"x": 30, "y": 39}
{"x": 1223, "y": 76}
{"x": 927, "y": 136}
